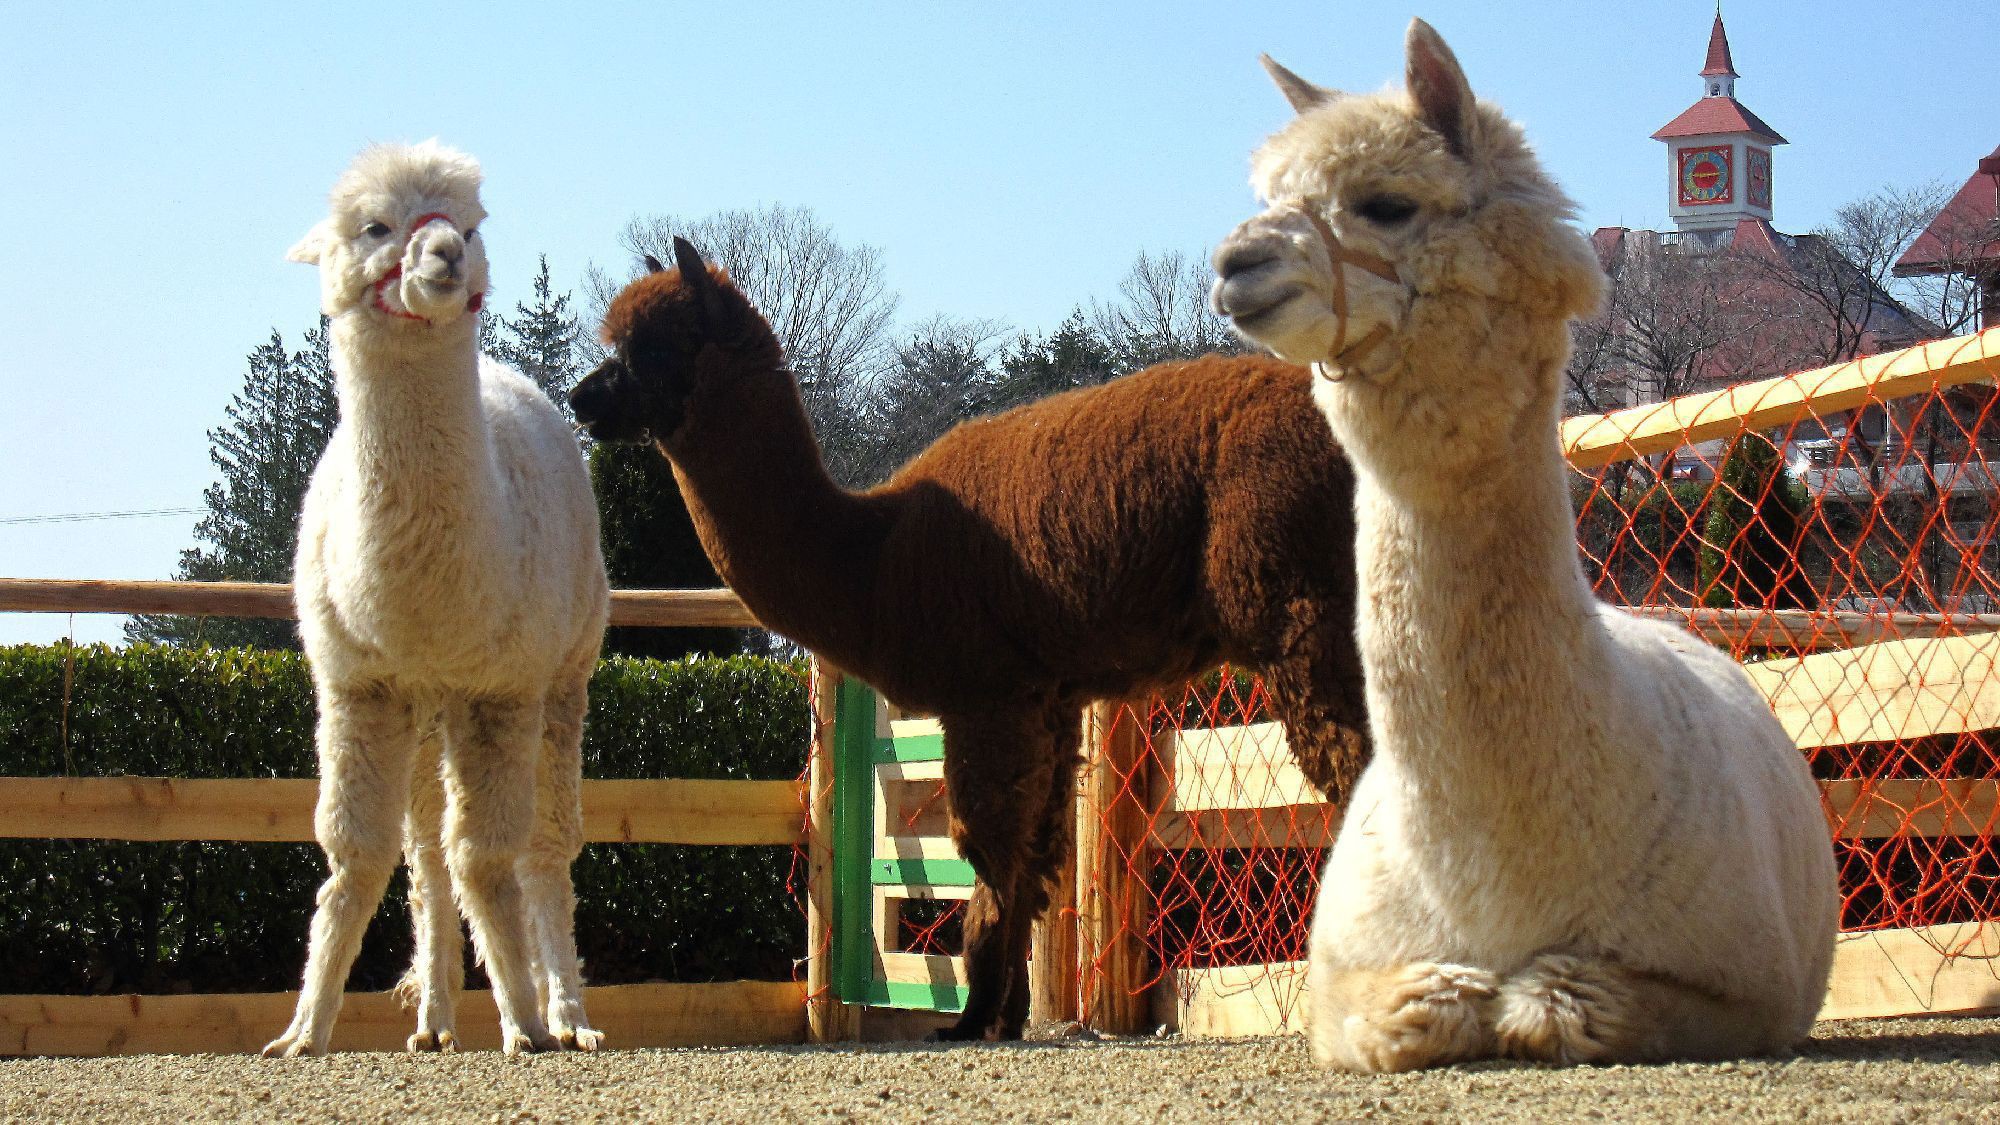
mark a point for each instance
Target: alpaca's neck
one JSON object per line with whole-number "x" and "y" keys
{"x": 796, "y": 547}
{"x": 422, "y": 457}
{"x": 1479, "y": 635}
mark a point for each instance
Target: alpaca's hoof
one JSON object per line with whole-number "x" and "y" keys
{"x": 1425, "y": 1014}
{"x": 429, "y": 1041}
{"x": 580, "y": 1039}
{"x": 291, "y": 1047}
{"x": 1566, "y": 1010}
{"x": 522, "y": 1043}
{"x": 956, "y": 1034}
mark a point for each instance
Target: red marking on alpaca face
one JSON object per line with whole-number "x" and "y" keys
{"x": 395, "y": 273}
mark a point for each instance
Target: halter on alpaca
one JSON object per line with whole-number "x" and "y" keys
{"x": 1339, "y": 254}
{"x": 396, "y": 271}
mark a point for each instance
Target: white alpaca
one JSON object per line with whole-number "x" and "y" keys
{"x": 452, "y": 599}
{"x": 1583, "y": 835}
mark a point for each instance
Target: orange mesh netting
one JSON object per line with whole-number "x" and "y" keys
{"x": 1842, "y": 549}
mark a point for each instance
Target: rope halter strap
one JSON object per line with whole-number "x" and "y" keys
{"x": 396, "y": 271}
{"x": 1338, "y": 256}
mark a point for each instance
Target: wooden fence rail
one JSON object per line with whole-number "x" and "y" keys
{"x": 642, "y": 811}
{"x": 1594, "y": 440}
{"x": 658, "y": 608}
{"x": 639, "y": 811}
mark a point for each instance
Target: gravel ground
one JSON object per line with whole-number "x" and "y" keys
{"x": 1872, "y": 1071}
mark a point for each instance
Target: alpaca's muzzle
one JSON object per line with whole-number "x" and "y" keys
{"x": 1338, "y": 256}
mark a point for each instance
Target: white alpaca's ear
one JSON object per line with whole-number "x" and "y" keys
{"x": 308, "y": 249}
{"x": 1302, "y": 94}
{"x": 1438, "y": 86}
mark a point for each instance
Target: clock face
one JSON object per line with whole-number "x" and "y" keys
{"x": 1758, "y": 168}
{"x": 1704, "y": 176}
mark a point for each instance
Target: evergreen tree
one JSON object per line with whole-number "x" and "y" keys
{"x": 938, "y": 376}
{"x": 1074, "y": 355}
{"x": 650, "y": 543}
{"x": 278, "y": 424}
{"x": 1755, "y": 515}
{"x": 540, "y": 340}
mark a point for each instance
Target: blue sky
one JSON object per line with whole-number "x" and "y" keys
{"x": 1008, "y": 159}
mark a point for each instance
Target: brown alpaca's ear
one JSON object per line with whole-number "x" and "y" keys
{"x": 695, "y": 276}
{"x": 653, "y": 264}
{"x": 693, "y": 270}
{"x": 1438, "y": 86}
{"x": 1302, "y": 94}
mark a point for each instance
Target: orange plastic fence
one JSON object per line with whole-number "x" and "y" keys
{"x": 1847, "y": 554}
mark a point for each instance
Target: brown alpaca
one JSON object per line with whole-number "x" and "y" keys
{"x": 1098, "y": 544}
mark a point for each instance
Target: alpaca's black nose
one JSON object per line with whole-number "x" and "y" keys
{"x": 1233, "y": 257}
{"x": 588, "y": 398}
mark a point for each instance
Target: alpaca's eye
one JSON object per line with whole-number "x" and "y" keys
{"x": 376, "y": 230}
{"x": 472, "y": 234}
{"x": 1386, "y": 209}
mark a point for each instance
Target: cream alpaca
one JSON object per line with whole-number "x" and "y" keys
{"x": 452, "y": 600}
{"x": 1583, "y": 836}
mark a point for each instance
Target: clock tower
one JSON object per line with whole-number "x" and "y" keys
{"x": 1718, "y": 152}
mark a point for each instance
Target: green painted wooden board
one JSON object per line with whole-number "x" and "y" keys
{"x": 913, "y": 748}
{"x": 921, "y": 873}
{"x": 922, "y": 997}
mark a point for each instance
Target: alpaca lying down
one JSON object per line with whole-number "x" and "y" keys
{"x": 1583, "y": 836}
{"x": 1098, "y": 544}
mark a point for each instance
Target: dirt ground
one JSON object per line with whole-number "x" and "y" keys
{"x": 1875, "y": 1071}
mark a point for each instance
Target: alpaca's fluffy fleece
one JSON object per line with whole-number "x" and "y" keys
{"x": 452, "y": 599}
{"x": 1104, "y": 543}
{"x": 1583, "y": 835}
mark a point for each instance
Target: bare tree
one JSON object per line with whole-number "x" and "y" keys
{"x": 1833, "y": 287}
{"x": 942, "y": 372}
{"x": 827, "y": 301}
{"x": 1675, "y": 320}
{"x": 1162, "y": 313}
{"x": 1958, "y": 251}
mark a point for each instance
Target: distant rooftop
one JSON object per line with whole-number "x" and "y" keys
{"x": 1965, "y": 233}
{"x": 1718, "y": 115}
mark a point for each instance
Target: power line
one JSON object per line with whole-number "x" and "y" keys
{"x": 80, "y": 517}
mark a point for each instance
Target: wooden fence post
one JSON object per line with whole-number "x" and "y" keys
{"x": 1113, "y": 901}
{"x": 827, "y": 1017}
{"x": 1052, "y": 974}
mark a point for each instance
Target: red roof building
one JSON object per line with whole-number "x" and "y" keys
{"x": 1965, "y": 239}
{"x": 1725, "y": 297}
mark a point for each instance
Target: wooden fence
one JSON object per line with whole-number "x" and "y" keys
{"x": 1861, "y": 677}
{"x": 1882, "y": 676}
{"x": 637, "y": 811}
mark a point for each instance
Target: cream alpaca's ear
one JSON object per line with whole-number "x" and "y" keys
{"x": 1302, "y": 94}
{"x": 1438, "y": 86}
{"x": 308, "y": 249}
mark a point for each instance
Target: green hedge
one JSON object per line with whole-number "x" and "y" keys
{"x": 90, "y": 916}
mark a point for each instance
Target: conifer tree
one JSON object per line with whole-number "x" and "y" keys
{"x": 1755, "y": 516}
{"x": 278, "y": 424}
{"x": 1074, "y": 355}
{"x": 650, "y": 543}
{"x": 539, "y": 340}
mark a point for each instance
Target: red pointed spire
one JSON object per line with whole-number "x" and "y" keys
{"x": 1718, "y": 50}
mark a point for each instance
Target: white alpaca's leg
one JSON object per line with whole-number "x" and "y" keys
{"x": 490, "y": 750}
{"x": 437, "y": 971}
{"x": 1565, "y": 1008}
{"x": 545, "y": 870}
{"x": 1404, "y": 1017}
{"x": 367, "y": 739}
